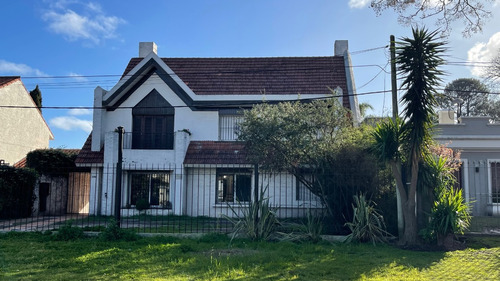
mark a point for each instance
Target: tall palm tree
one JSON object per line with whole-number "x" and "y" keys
{"x": 417, "y": 60}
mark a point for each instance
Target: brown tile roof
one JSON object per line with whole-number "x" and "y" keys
{"x": 70, "y": 151}
{"x": 216, "y": 152}
{"x": 250, "y": 76}
{"x": 87, "y": 156}
{"x": 6, "y": 80}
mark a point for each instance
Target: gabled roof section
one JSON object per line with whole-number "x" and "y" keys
{"x": 216, "y": 152}
{"x": 7, "y": 80}
{"x": 87, "y": 156}
{"x": 256, "y": 76}
{"x": 140, "y": 73}
{"x": 205, "y": 83}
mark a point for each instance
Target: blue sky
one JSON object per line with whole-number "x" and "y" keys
{"x": 69, "y": 47}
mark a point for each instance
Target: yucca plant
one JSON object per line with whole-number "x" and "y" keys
{"x": 367, "y": 224}
{"x": 450, "y": 215}
{"x": 257, "y": 221}
{"x": 309, "y": 230}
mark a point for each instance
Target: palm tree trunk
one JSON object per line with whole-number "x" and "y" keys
{"x": 410, "y": 236}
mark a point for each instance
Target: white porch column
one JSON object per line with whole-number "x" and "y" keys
{"x": 181, "y": 144}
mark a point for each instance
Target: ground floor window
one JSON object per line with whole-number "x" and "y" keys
{"x": 233, "y": 185}
{"x": 495, "y": 181}
{"x": 302, "y": 193}
{"x": 153, "y": 187}
{"x": 458, "y": 174}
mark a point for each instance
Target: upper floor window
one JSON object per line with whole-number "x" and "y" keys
{"x": 153, "y": 123}
{"x": 229, "y": 124}
{"x": 302, "y": 193}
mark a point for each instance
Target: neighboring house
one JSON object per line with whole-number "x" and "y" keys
{"x": 65, "y": 191}
{"x": 479, "y": 142}
{"x": 180, "y": 117}
{"x": 21, "y": 123}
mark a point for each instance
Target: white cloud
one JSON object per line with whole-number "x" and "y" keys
{"x": 482, "y": 53}
{"x": 11, "y": 68}
{"x": 79, "y": 111}
{"x": 358, "y": 4}
{"x": 71, "y": 123}
{"x": 90, "y": 24}
{"x": 78, "y": 77}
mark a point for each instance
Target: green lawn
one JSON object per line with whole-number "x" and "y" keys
{"x": 38, "y": 257}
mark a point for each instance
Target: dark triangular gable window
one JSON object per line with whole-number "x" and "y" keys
{"x": 153, "y": 123}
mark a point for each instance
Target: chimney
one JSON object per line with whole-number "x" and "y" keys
{"x": 145, "y": 48}
{"x": 341, "y": 46}
{"x": 446, "y": 117}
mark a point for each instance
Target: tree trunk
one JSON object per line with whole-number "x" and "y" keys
{"x": 410, "y": 236}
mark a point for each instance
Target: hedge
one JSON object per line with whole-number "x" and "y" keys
{"x": 16, "y": 192}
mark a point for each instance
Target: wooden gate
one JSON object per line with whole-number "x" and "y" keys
{"x": 78, "y": 193}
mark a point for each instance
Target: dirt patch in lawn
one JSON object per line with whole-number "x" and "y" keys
{"x": 229, "y": 252}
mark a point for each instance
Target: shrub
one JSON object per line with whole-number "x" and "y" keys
{"x": 258, "y": 220}
{"x": 16, "y": 192}
{"x": 142, "y": 204}
{"x": 50, "y": 161}
{"x": 69, "y": 232}
{"x": 367, "y": 224}
{"x": 450, "y": 215}
{"x": 113, "y": 232}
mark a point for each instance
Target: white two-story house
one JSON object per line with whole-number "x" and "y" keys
{"x": 180, "y": 117}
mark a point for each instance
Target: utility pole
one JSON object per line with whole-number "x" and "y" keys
{"x": 395, "y": 114}
{"x": 393, "y": 79}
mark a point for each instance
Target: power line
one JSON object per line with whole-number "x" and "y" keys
{"x": 235, "y": 104}
{"x": 382, "y": 70}
{"x": 214, "y": 105}
{"x": 369, "y": 50}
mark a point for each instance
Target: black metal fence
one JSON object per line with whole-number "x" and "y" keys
{"x": 201, "y": 198}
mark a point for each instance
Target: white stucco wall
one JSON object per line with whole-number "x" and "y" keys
{"x": 23, "y": 129}
{"x": 281, "y": 192}
{"x": 202, "y": 124}
{"x": 478, "y": 141}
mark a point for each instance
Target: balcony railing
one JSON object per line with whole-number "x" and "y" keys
{"x": 229, "y": 127}
{"x": 148, "y": 141}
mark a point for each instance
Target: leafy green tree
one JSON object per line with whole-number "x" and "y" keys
{"x": 470, "y": 94}
{"x": 36, "y": 95}
{"x": 494, "y": 109}
{"x": 404, "y": 144}
{"x": 317, "y": 143}
{"x": 363, "y": 108}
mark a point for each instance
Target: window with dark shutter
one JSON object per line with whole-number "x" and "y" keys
{"x": 153, "y": 123}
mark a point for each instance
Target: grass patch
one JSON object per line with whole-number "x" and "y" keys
{"x": 32, "y": 256}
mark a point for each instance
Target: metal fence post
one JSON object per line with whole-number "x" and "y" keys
{"x": 256, "y": 198}
{"x": 118, "y": 192}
